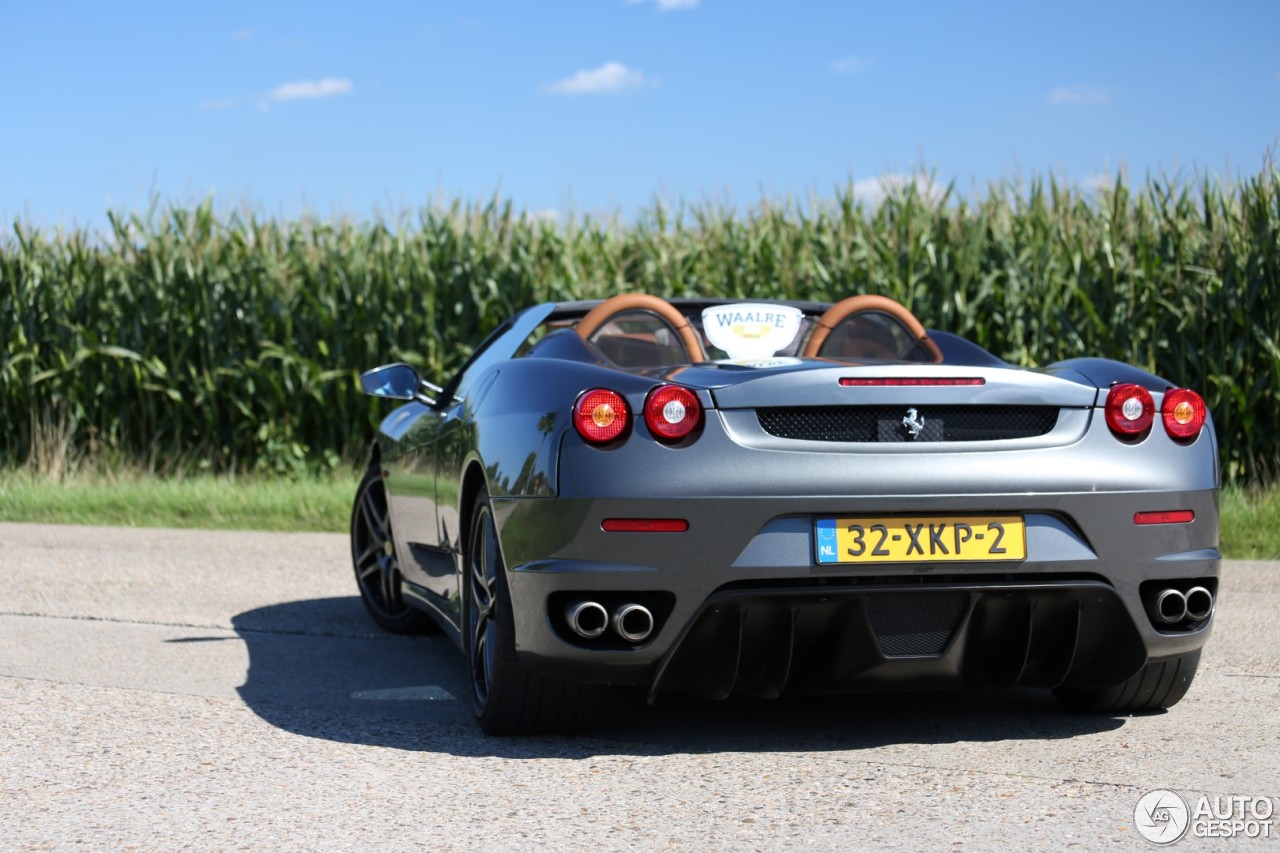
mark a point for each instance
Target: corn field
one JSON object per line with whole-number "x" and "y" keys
{"x": 185, "y": 339}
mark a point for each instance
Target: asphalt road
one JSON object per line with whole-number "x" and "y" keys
{"x": 164, "y": 690}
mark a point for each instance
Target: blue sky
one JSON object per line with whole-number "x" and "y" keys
{"x": 599, "y": 106}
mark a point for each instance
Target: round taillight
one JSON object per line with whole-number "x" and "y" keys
{"x": 1130, "y": 410}
{"x": 601, "y": 416}
{"x": 672, "y": 412}
{"x": 1184, "y": 413}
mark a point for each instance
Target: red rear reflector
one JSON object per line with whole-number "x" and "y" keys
{"x": 1169, "y": 516}
{"x": 645, "y": 525}
{"x": 908, "y": 382}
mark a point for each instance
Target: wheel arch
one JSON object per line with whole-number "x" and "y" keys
{"x": 374, "y": 454}
{"x": 473, "y": 480}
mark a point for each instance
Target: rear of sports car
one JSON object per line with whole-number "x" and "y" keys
{"x": 798, "y": 525}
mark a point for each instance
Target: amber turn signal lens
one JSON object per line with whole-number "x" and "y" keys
{"x": 601, "y": 416}
{"x": 1184, "y": 413}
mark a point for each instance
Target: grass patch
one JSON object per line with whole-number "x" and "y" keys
{"x": 1250, "y": 518}
{"x": 211, "y": 502}
{"x": 1251, "y": 524}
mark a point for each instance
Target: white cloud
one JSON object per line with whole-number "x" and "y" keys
{"x": 1079, "y": 94}
{"x": 1099, "y": 181}
{"x": 873, "y": 190}
{"x": 326, "y": 88}
{"x": 546, "y": 214}
{"x": 667, "y": 5}
{"x": 851, "y": 65}
{"x": 217, "y": 104}
{"x": 242, "y": 34}
{"x": 608, "y": 78}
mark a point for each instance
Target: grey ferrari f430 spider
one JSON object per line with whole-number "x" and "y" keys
{"x": 723, "y": 497}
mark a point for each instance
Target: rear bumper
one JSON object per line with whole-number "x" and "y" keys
{"x": 742, "y": 584}
{"x": 742, "y": 606}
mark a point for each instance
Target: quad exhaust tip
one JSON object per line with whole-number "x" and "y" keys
{"x": 1199, "y": 603}
{"x": 587, "y": 619}
{"x": 1171, "y": 606}
{"x": 590, "y": 619}
{"x": 633, "y": 622}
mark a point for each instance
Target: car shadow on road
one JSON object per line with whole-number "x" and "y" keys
{"x": 320, "y": 668}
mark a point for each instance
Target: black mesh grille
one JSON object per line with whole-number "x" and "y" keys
{"x": 896, "y": 423}
{"x": 912, "y": 624}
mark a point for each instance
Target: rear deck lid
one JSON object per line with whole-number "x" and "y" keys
{"x": 803, "y": 383}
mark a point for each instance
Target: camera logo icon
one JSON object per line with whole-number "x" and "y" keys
{"x": 1162, "y": 817}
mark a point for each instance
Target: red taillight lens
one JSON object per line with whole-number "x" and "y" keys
{"x": 672, "y": 412}
{"x": 1184, "y": 413}
{"x": 1130, "y": 410}
{"x": 601, "y": 416}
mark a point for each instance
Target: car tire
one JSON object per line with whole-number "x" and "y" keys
{"x": 1159, "y": 684}
{"x": 508, "y": 698}
{"x": 373, "y": 557}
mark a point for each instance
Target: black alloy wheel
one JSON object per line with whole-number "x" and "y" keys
{"x": 373, "y": 555}
{"x": 508, "y": 698}
{"x": 483, "y": 566}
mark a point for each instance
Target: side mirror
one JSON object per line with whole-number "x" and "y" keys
{"x": 391, "y": 381}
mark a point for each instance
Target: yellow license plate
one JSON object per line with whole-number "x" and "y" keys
{"x": 927, "y": 539}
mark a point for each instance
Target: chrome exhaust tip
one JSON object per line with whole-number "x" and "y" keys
{"x": 633, "y": 622}
{"x": 587, "y": 619}
{"x": 1171, "y": 606}
{"x": 1199, "y": 603}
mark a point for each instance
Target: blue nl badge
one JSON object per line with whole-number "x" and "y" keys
{"x": 826, "y": 541}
